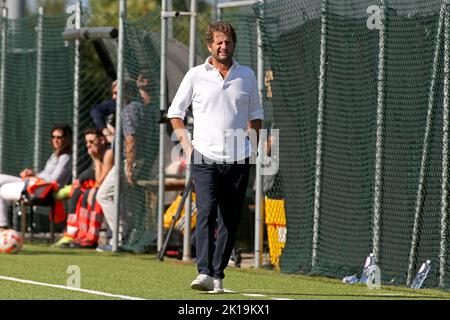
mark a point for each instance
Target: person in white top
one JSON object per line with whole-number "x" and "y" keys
{"x": 58, "y": 168}
{"x": 225, "y": 103}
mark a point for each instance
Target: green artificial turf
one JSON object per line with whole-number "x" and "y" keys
{"x": 143, "y": 276}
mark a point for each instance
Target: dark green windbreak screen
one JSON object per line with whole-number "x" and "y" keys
{"x": 354, "y": 91}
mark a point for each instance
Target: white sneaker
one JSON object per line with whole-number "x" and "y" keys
{"x": 203, "y": 282}
{"x": 218, "y": 286}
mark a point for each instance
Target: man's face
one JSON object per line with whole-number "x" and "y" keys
{"x": 93, "y": 144}
{"x": 222, "y": 48}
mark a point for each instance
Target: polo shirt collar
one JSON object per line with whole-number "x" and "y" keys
{"x": 209, "y": 66}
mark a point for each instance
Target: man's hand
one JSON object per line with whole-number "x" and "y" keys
{"x": 93, "y": 154}
{"x": 91, "y": 195}
{"x": 183, "y": 136}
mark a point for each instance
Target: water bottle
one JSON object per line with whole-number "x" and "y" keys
{"x": 369, "y": 267}
{"x": 421, "y": 275}
{"x": 350, "y": 279}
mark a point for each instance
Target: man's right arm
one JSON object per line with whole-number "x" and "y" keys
{"x": 177, "y": 112}
{"x": 182, "y": 135}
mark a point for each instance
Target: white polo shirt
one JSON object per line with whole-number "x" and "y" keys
{"x": 220, "y": 106}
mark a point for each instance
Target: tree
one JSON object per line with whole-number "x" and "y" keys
{"x": 52, "y": 7}
{"x": 106, "y": 11}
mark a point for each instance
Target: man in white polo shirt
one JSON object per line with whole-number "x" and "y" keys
{"x": 225, "y": 103}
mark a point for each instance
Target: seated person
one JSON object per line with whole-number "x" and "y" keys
{"x": 85, "y": 215}
{"x": 84, "y": 182}
{"x": 58, "y": 168}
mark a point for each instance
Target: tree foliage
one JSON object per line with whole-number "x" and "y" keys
{"x": 105, "y": 12}
{"x": 52, "y": 7}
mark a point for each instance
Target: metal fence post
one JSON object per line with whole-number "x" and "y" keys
{"x": 259, "y": 192}
{"x": 118, "y": 134}
{"x": 425, "y": 151}
{"x": 76, "y": 93}
{"x": 39, "y": 85}
{"x": 320, "y": 112}
{"x": 379, "y": 139}
{"x": 162, "y": 126}
{"x": 2, "y": 82}
{"x": 444, "y": 197}
{"x": 187, "y": 207}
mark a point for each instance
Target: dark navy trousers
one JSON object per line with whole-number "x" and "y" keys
{"x": 220, "y": 186}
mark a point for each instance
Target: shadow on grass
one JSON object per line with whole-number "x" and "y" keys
{"x": 69, "y": 252}
{"x": 36, "y": 251}
{"x": 373, "y": 296}
{"x": 271, "y": 294}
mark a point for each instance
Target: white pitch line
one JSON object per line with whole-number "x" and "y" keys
{"x": 254, "y": 295}
{"x": 99, "y": 293}
{"x": 392, "y": 294}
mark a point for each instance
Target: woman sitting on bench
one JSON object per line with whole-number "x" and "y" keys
{"x": 58, "y": 168}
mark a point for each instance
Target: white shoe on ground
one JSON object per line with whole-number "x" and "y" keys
{"x": 218, "y": 286}
{"x": 203, "y": 282}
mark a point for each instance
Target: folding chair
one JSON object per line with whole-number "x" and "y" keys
{"x": 20, "y": 212}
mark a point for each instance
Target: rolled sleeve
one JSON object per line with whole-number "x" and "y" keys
{"x": 256, "y": 110}
{"x": 182, "y": 99}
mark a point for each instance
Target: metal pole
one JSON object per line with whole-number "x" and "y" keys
{"x": 170, "y": 22}
{"x": 235, "y": 4}
{"x": 379, "y": 138}
{"x": 444, "y": 199}
{"x": 425, "y": 150}
{"x": 16, "y": 9}
{"x": 259, "y": 192}
{"x": 76, "y": 94}
{"x": 37, "y": 117}
{"x": 162, "y": 126}
{"x": 218, "y": 12}
{"x": 187, "y": 206}
{"x": 2, "y": 82}
{"x": 214, "y": 11}
{"x": 259, "y": 207}
{"x": 118, "y": 133}
{"x": 320, "y": 111}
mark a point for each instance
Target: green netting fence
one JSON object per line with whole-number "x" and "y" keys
{"x": 325, "y": 57}
{"x": 32, "y": 104}
{"x": 141, "y": 57}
